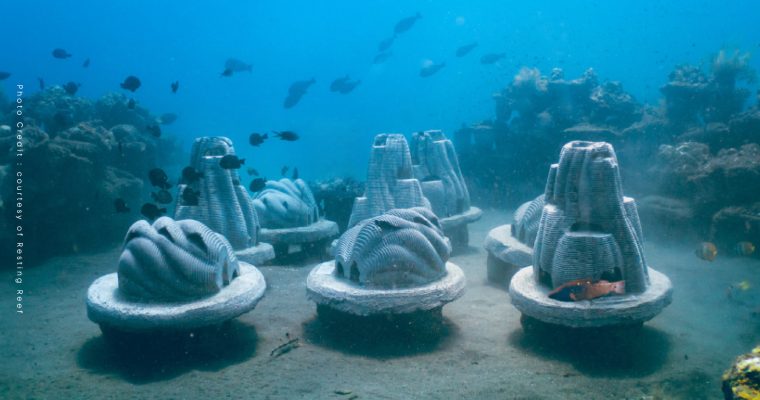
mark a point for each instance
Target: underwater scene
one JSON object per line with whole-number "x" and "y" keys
{"x": 380, "y": 200}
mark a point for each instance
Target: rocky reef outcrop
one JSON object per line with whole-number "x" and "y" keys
{"x": 174, "y": 261}
{"x": 79, "y": 156}
{"x": 286, "y": 204}
{"x": 400, "y": 248}
{"x": 742, "y": 380}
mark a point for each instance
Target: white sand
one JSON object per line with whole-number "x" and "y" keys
{"x": 54, "y": 351}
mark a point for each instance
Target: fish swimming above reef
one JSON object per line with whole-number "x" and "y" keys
{"x": 86, "y": 63}
{"x": 707, "y": 251}
{"x": 120, "y": 206}
{"x": 191, "y": 175}
{"x": 386, "y": 44}
{"x": 151, "y": 211}
{"x": 344, "y": 85}
{"x": 60, "y": 54}
{"x": 406, "y": 23}
{"x": 492, "y": 58}
{"x": 252, "y": 171}
{"x": 175, "y": 86}
{"x": 256, "y": 139}
{"x": 154, "y": 130}
{"x": 158, "y": 178}
{"x": 231, "y": 161}
{"x": 585, "y": 289}
{"x": 382, "y": 57}
{"x": 284, "y": 170}
{"x": 235, "y": 65}
{"x": 257, "y": 184}
{"x": 162, "y": 196}
{"x": 744, "y": 249}
{"x": 4, "y": 75}
{"x": 431, "y": 69}
{"x": 71, "y": 88}
{"x": 131, "y": 83}
{"x": 466, "y": 49}
{"x": 190, "y": 197}
{"x": 288, "y": 136}
{"x": 227, "y": 72}
{"x": 296, "y": 91}
{"x": 167, "y": 118}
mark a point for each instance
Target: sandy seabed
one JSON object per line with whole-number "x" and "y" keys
{"x": 54, "y": 352}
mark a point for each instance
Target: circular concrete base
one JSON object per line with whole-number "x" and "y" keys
{"x": 256, "y": 255}
{"x": 506, "y": 254}
{"x": 531, "y": 299}
{"x": 455, "y": 226}
{"x": 326, "y": 289}
{"x": 107, "y": 307}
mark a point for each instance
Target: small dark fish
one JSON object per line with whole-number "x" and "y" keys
{"x": 382, "y": 57}
{"x": 386, "y": 44}
{"x": 406, "y": 23}
{"x": 252, "y": 171}
{"x": 167, "y": 118}
{"x": 295, "y": 173}
{"x": 466, "y": 49}
{"x": 162, "y": 196}
{"x": 256, "y": 139}
{"x": 231, "y": 161}
{"x": 42, "y": 83}
{"x": 491, "y": 58}
{"x": 344, "y": 85}
{"x": 158, "y": 178}
{"x": 257, "y": 184}
{"x": 121, "y": 206}
{"x": 175, "y": 86}
{"x": 61, "y": 54}
{"x": 191, "y": 175}
{"x": 227, "y": 72}
{"x": 284, "y": 170}
{"x": 154, "y": 130}
{"x": 131, "y": 83}
{"x": 4, "y": 75}
{"x": 131, "y": 104}
{"x": 236, "y": 65}
{"x": 288, "y": 136}
{"x": 86, "y": 63}
{"x": 71, "y": 88}
{"x": 151, "y": 211}
{"x": 431, "y": 69}
{"x": 190, "y": 197}
{"x": 285, "y": 348}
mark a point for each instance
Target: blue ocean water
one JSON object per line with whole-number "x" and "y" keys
{"x": 635, "y": 42}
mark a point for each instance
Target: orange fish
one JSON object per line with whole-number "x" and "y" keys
{"x": 586, "y": 289}
{"x": 707, "y": 251}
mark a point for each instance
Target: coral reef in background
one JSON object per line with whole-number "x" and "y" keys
{"x": 286, "y": 204}
{"x": 175, "y": 261}
{"x": 400, "y": 248}
{"x": 695, "y": 153}
{"x": 75, "y": 165}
